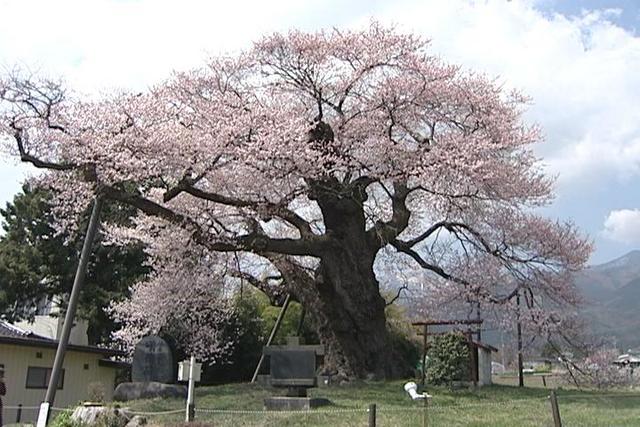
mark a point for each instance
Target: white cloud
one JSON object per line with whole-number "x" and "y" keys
{"x": 580, "y": 72}
{"x": 107, "y": 43}
{"x": 623, "y": 226}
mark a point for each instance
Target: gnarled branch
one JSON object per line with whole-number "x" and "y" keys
{"x": 253, "y": 242}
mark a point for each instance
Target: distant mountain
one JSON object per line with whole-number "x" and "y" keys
{"x": 612, "y": 294}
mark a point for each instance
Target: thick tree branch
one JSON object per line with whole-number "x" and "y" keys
{"x": 387, "y": 231}
{"x": 263, "y": 208}
{"x": 428, "y": 232}
{"x": 395, "y": 298}
{"x": 274, "y": 293}
{"x": 253, "y": 242}
{"x": 406, "y": 249}
{"x": 20, "y": 135}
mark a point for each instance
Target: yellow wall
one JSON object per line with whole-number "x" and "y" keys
{"x": 77, "y": 380}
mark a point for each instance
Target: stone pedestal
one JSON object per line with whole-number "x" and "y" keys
{"x": 286, "y": 403}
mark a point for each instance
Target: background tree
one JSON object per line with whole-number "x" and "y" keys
{"x": 551, "y": 324}
{"x": 316, "y": 155}
{"x": 597, "y": 369}
{"x": 38, "y": 263}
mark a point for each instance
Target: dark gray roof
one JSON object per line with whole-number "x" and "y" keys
{"x": 10, "y": 334}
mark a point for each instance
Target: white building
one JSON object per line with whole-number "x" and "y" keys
{"x": 27, "y": 351}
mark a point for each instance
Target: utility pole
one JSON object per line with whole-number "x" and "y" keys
{"x": 519, "y": 328}
{"x": 78, "y": 283}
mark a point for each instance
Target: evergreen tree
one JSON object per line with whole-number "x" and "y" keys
{"x": 37, "y": 263}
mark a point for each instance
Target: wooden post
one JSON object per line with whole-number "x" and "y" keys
{"x": 519, "y": 331}
{"x": 425, "y": 330}
{"x": 473, "y": 359}
{"x": 274, "y": 331}
{"x": 544, "y": 381}
{"x": 425, "y": 414}
{"x": 479, "y": 318}
{"x": 372, "y": 415}
{"x": 557, "y": 422}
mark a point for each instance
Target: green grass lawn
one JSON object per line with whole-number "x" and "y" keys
{"x": 552, "y": 381}
{"x": 497, "y": 405}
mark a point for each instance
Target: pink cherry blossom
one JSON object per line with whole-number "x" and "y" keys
{"x": 318, "y": 154}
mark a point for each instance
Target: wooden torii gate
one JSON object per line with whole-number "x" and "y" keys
{"x": 425, "y": 333}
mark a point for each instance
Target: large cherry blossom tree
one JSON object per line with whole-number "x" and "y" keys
{"x": 316, "y": 156}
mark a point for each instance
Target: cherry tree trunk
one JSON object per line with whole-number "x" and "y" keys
{"x": 350, "y": 317}
{"x": 348, "y": 311}
{"x": 344, "y": 297}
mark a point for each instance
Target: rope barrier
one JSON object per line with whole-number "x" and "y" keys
{"x": 476, "y": 405}
{"x": 170, "y": 412}
{"x": 380, "y": 409}
{"x": 597, "y": 396}
{"x": 461, "y": 406}
{"x": 301, "y": 412}
{"x": 128, "y": 411}
{"x": 431, "y": 407}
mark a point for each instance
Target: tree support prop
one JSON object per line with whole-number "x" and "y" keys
{"x": 274, "y": 331}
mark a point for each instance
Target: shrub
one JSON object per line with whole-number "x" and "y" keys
{"x": 250, "y": 327}
{"x": 63, "y": 419}
{"x": 113, "y": 418}
{"x": 448, "y": 359}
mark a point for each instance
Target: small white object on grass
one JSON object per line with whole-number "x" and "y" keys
{"x": 412, "y": 389}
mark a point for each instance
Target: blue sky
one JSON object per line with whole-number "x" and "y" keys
{"x": 578, "y": 60}
{"x": 629, "y": 17}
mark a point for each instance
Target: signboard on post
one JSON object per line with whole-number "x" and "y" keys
{"x": 183, "y": 371}
{"x": 189, "y": 370}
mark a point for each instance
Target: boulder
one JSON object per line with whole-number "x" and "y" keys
{"x": 90, "y": 415}
{"x": 148, "y": 390}
{"x": 137, "y": 421}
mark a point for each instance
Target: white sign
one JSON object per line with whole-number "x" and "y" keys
{"x": 183, "y": 371}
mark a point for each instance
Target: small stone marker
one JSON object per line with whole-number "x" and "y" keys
{"x": 152, "y": 361}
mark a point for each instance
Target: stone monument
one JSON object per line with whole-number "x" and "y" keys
{"x": 152, "y": 372}
{"x": 152, "y": 361}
